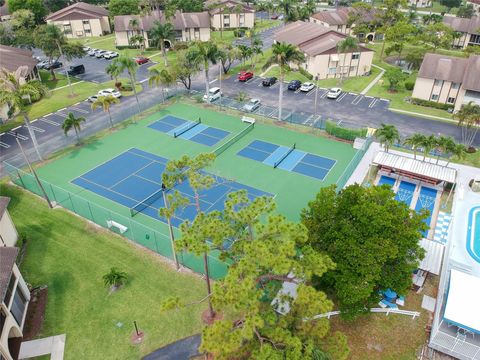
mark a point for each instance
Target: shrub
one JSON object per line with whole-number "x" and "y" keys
{"x": 409, "y": 85}
{"x": 305, "y": 73}
{"x": 344, "y": 133}
{"x": 431, "y": 104}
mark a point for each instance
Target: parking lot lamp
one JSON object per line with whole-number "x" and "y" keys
{"x": 316, "y": 93}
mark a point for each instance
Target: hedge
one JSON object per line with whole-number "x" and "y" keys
{"x": 432, "y": 104}
{"x": 305, "y": 73}
{"x": 344, "y": 133}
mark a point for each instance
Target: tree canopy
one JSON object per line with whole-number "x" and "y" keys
{"x": 372, "y": 238}
{"x": 123, "y": 7}
{"x": 37, "y": 7}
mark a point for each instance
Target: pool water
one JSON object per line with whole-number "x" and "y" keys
{"x": 473, "y": 233}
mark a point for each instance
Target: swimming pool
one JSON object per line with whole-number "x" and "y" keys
{"x": 473, "y": 233}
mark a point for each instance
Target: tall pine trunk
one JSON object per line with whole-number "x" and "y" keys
{"x": 207, "y": 82}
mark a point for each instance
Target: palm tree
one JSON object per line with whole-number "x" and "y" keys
{"x": 348, "y": 45}
{"x": 228, "y": 54}
{"x": 72, "y": 122}
{"x": 283, "y": 55}
{"x": 388, "y": 135}
{"x": 159, "y": 33}
{"x": 459, "y": 151}
{"x": 113, "y": 70}
{"x": 443, "y": 145}
{"x": 468, "y": 118}
{"x": 205, "y": 52}
{"x": 288, "y": 9}
{"x": 428, "y": 144}
{"x": 245, "y": 52}
{"x": 238, "y": 10}
{"x": 115, "y": 278}
{"x": 14, "y": 90}
{"x": 256, "y": 48}
{"x": 414, "y": 142}
{"x": 126, "y": 63}
{"x": 105, "y": 102}
{"x": 161, "y": 77}
{"x": 139, "y": 40}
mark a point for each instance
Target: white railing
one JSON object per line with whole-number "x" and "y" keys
{"x": 413, "y": 314}
{"x": 453, "y": 346}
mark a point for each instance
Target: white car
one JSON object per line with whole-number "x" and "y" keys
{"x": 87, "y": 48}
{"x": 252, "y": 105}
{"x": 92, "y": 52}
{"x": 306, "y": 87}
{"x": 99, "y": 54}
{"x": 92, "y": 98}
{"x": 106, "y": 92}
{"x": 213, "y": 94}
{"x": 334, "y": 93}
{"x": 110, "y": 55}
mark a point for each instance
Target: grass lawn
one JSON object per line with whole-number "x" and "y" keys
{"x": 71, "y": 255}
{"x": 353, "y": 84}
{"x": 46, "y": 78}
{"x": 261, "y": 25}
{"x": 256, "y": 67}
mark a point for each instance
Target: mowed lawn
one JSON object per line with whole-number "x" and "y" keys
{"x": 71, "y": 255}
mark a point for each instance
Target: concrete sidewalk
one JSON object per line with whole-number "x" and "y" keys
{"x": 374, "y": 81}
{"x": 53, "y": 345}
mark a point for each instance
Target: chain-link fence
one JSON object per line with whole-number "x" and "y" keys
{"x": 130, "y": 228}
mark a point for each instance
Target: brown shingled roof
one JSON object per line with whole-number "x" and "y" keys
{"x": 340, "y": 16}
{"x": 471, "y": 79}
{"x": 8, "y": 255}
{"x": 216, "y": 6}
{"x": 180, "y": 21}
{"x": 4, "y": 10}
{"x": 442, "y": 67}
{"x": 11, "y": 58}
{"x": 4, "y": 201}
{"x": 465, "y": 25}
{"x": 313, "y": 39}
{"x": 78, "y": 11}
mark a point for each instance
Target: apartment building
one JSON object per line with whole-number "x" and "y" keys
{"x": 230, "y": 14}
{"x": 469, "y": 30}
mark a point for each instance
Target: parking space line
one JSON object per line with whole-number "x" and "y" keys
{"x": 308, "y": 119}
{"x": 79, "y": 110}
{"x": 372, "y": 104}
{"x": 211, "y": 82}
{"x": 357, "y": 99}
{"x": 20, "y": 136}
{"x": 4, "y": 145}
{"x": 339, "y": 122}
{"x": 297, "y": 91}
{"x": 340, "y": 98}
{"x": 37, "y": 129}
{"x": 51, "y": 122}
{"x": 324, "y": 94}
{"x": 311, "y": 92}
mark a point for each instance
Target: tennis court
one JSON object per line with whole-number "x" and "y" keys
{"x": 133, "y": 179}
{"x": 289, "y": 159}
{"x": 189, "y": 130}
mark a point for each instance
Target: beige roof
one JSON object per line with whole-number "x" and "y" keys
{"x": 313, "y": 39}
{"x": 8, "y": 255}
{"x": 432, "y": 262}
{"x": 471, "y": 26}
{"x": 413, "y": 166}
{"x": 180, "y": 21}
{"x": 454, "y": 69}
{"x": 78, "y": 11}
{"x": 340, "y": 16}
{"x": 216, "y": 6}
{"x": 11, "y": 58}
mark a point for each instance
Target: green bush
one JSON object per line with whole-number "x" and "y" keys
{"x": 432, "y": 104}
{"x": 409, "y": 85}
{"x": 305, "y": 73}
{"x": 344, "y": 133}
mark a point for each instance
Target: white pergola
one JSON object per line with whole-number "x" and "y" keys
{"x": 432, "y": 262}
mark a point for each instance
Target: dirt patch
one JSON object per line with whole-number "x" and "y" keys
{"x": 35, "y": 313}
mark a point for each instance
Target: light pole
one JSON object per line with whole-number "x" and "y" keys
{"x": 33, "y": 171}
{"x": 170, "y": 229}
{"x": 220, "y": 79}
{"x": 316, "y": 93}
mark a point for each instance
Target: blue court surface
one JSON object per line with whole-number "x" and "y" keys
{"x": 288, "y": 159}
{"x": 198, "y": 133}
{"x": 386, "y": 180}
{"x": 405, "y": 192}
{"x": 133, "y": 179}
{"x": 426, "y": 200}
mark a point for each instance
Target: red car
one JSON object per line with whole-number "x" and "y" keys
{"x": 245, "y": 75}
{"x": 140, "y": 60}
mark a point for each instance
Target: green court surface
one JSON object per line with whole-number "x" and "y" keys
{"x": 292, "y": 190}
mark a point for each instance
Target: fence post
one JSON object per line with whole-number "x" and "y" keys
{"x": 155, "y": 239}
{"x": 73, "y": 207}
{"x": 53, "y": 193}
{"x": 90, "y": 210}
{"x": 21, "y": 179}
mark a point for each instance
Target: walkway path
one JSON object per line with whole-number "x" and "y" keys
{"x": 374, "y": 81}
{"x": 53, "y": 345}
{"x": 180, "y": 350}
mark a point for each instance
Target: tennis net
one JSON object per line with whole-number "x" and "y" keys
{"x": 142, "y": 205}
{"x": 279, "y": 161}
{"x": 233, "y": 140}
{"x": 187, "y": 127}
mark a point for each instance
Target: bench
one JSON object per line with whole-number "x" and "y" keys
{"x": 114, "y": 224}
{"x": 247, "y": 119}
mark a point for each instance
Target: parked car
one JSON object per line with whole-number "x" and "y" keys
{"x": 76, "y": 70}
{"x": 306, "y": 87}
{"x": 334, "y": 93}
{"x": 213, "y": 94}
{"x": 87, "y": 48}
{"x": 92, "y": 98}
{"x": 99, "y": 54}
{"x": 140, "y": 60}
{"x": 269, "y": 81}
{"x": 245, "y": 75}
{"x": 280, "y": 17}
{"x": 106, "y": 92}
{"x": 252, "y": 105}
{"x": 42, "y": 64}
{"x": 274, "y": 17}
{"x": 294, "y": 85}
{"x": 110, "y": 55}
{"x": 92, "y": 52}
{"x": 53, "y": 65}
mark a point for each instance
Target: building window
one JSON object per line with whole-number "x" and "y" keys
{"x": 474, "y": 39}
{"x": 438, "y": 83}
{"x": 332, "y": 70}
{"x": 18, "y": 306}
{"x": 355, "y": 56}
{"x": 353, "y": 69}
{"x": 455, "y": 86}
{"x": 226, "y": 21}
{"x": 241, "y": 20}
{"x": 451, "y": 100}
{"x": 434, "y": 97}
{"x": 10, "y": 289}
{"x": 196, "y": 33}
{"x": 3, "y": 318}
{"x": 67, "y": 29}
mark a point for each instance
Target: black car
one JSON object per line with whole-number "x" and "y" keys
{"x": 53, "y": 65}
{"x": 76, "y": 70}
{"x": 294, "y": 85}
{"x": 269, "y": 81}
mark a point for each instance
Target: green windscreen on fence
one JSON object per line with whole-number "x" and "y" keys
{"x": 342, "y": 180}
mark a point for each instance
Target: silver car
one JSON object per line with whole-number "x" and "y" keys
{"x": 252, "y": 105}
